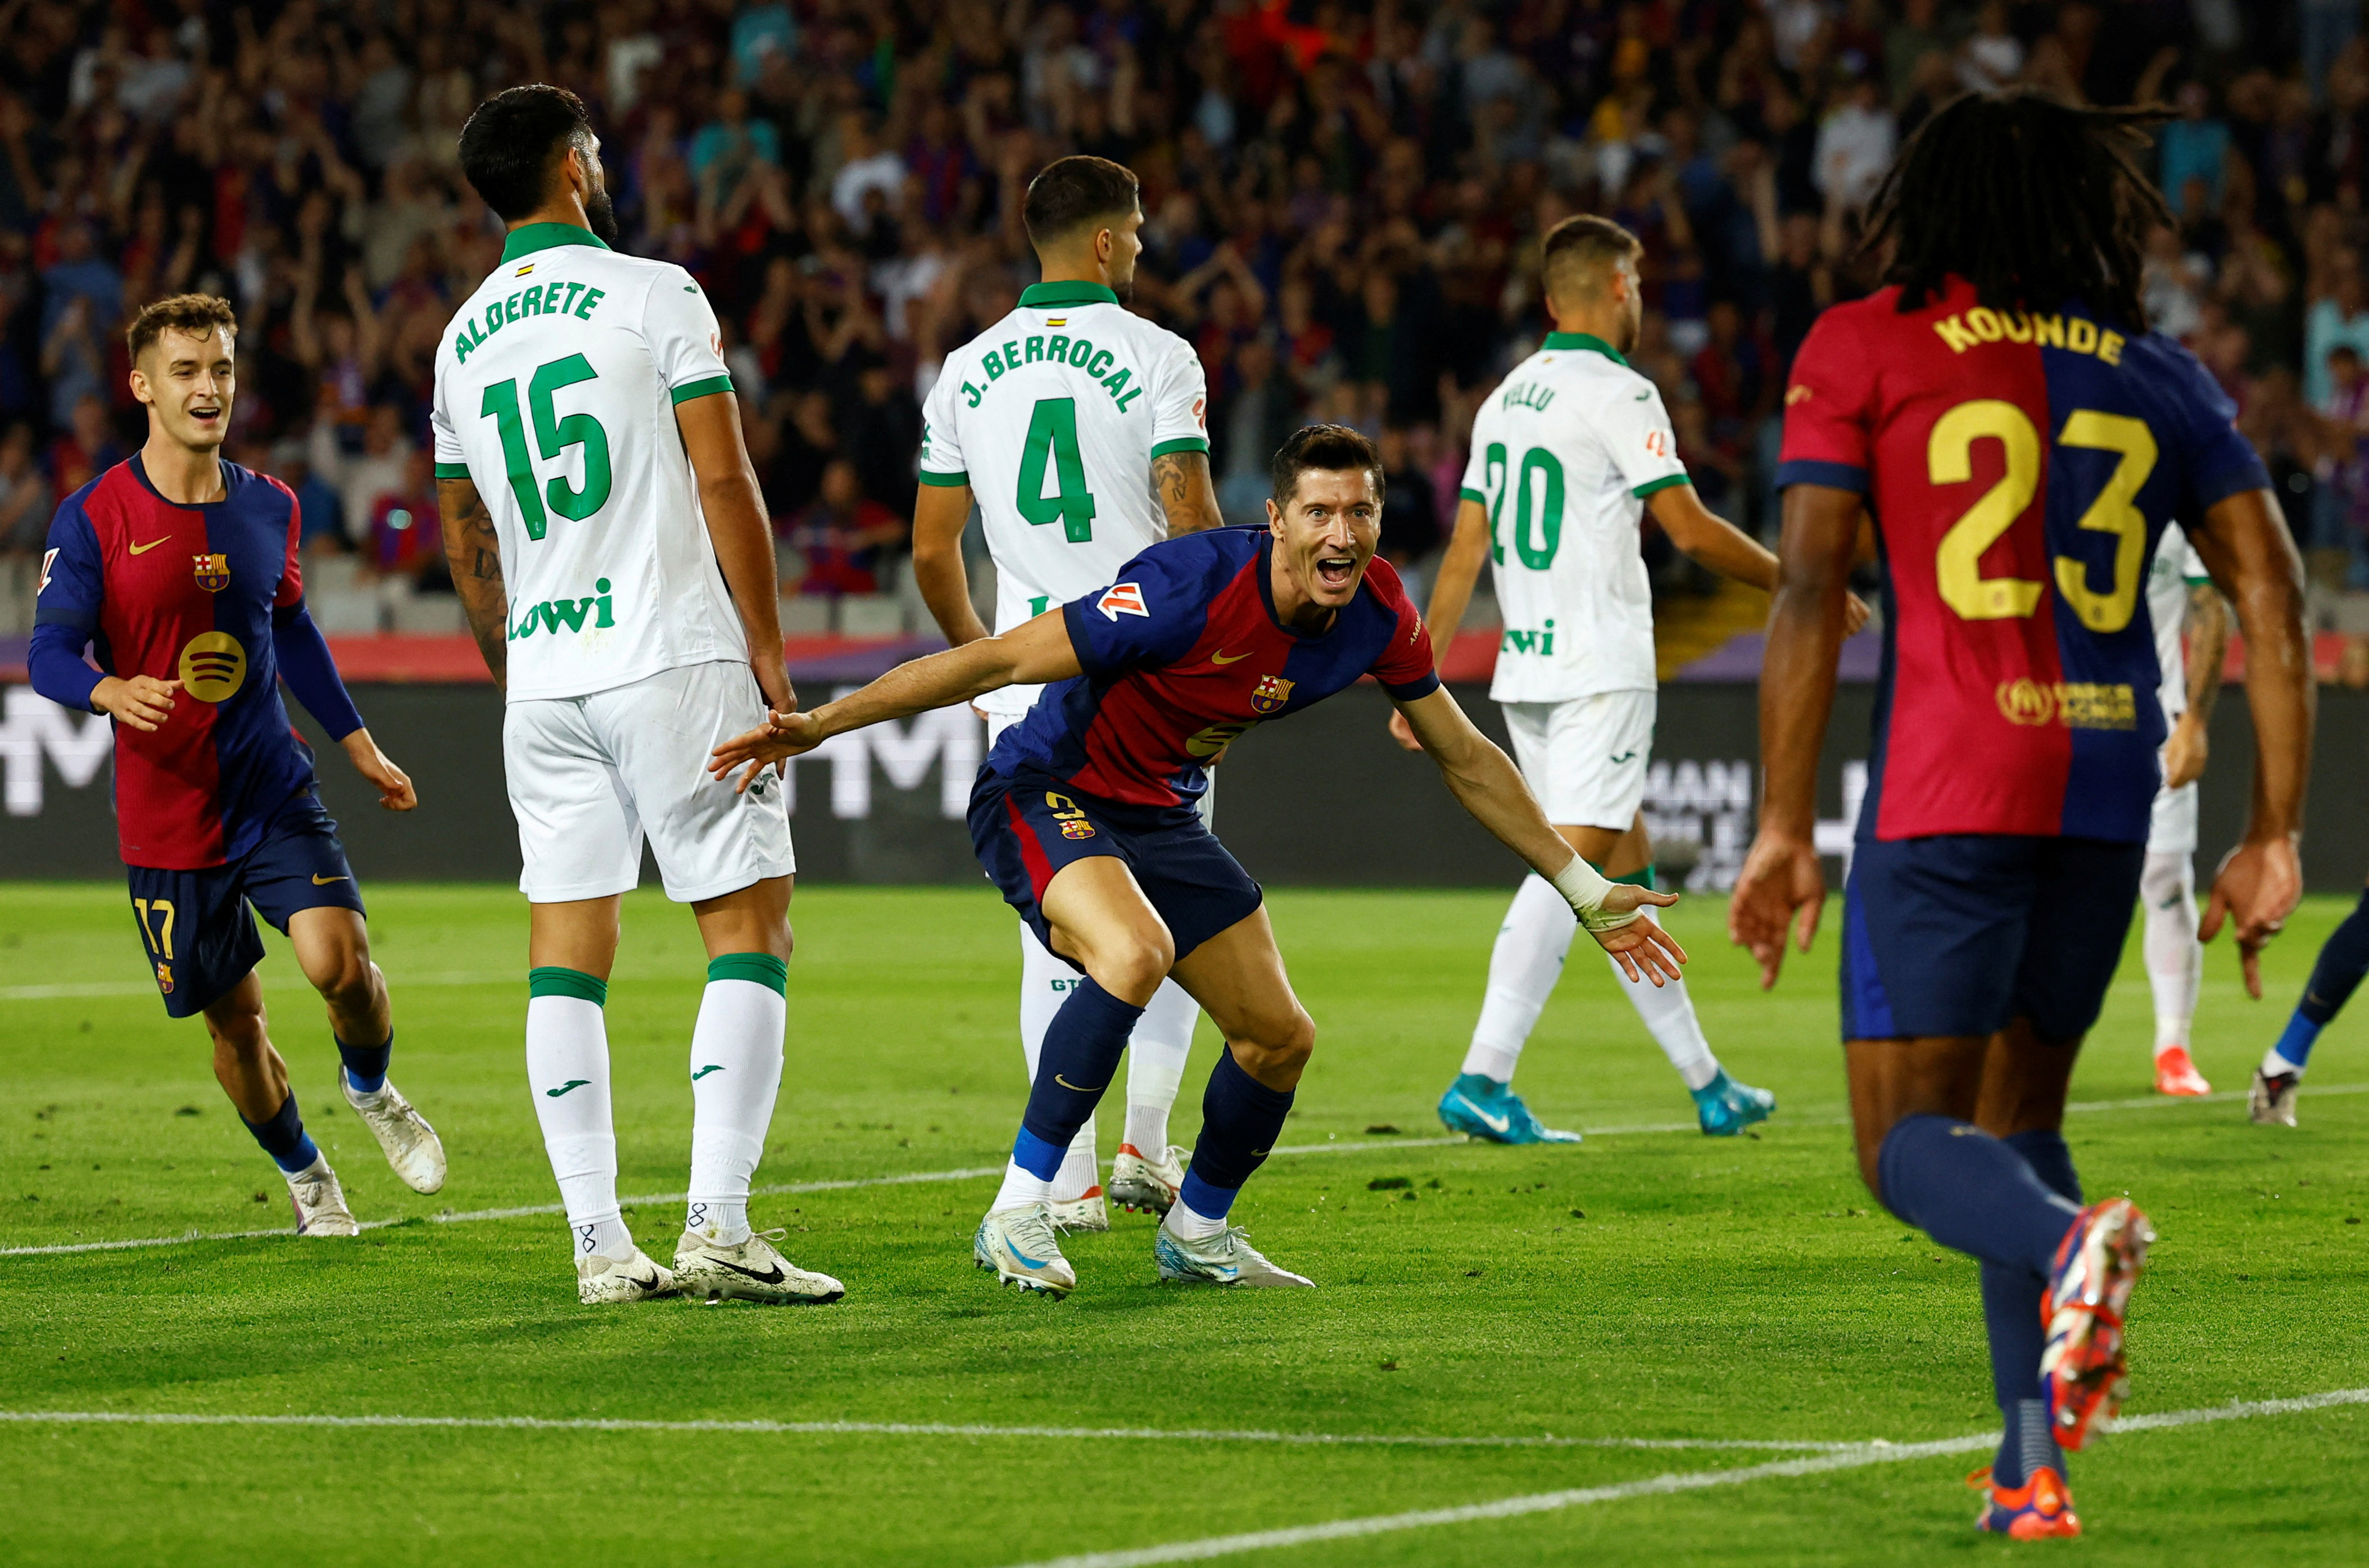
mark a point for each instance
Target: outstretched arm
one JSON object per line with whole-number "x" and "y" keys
{"x": 940, "y": 512}
{"x": 1451, "y": 590}
{"x": 2252, "y": 557}
{"x": 1707, "y": 537}
{"x": 474, "y": 556}
{"x": 1032, "y": 654}
{"x": 1188, "y": 495}
{"x": 1782, "y": 883}
{"x": 305, "y": 664}
{"x": 1485, "y": 783}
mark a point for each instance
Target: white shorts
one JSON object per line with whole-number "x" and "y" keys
{"x": 1586, "y": 757}
{"x": 589, "y": 776}
{"x": 998, "y": 723}
{"x": 2171, "y": 821}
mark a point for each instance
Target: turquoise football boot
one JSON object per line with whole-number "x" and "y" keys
{"x": 1725, "y": 1108}
{"x": 1483, "y": 1108}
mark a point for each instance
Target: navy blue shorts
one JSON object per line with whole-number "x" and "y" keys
{"x": 196, "y": 926}
{"x": 1962, "y": 933}
{"x": 1027, "y": 826}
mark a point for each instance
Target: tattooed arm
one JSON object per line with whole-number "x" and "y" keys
{"x": 2184, "y": 750}
{"x": 477, "y": 562}
{"x": 1188, "y": 494}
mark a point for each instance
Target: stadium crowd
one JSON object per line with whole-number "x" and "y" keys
{"x": 1343, "y": 202}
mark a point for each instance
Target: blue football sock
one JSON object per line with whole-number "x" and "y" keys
{"x": 2343, "y": 959}
{"x": 1241, "y": 1120}
{"x": 366, "y": 1065}
{"x": 2011, "y": 1295}
{"x": 283, "y": 1136}
{"x": 2028, "y": 1445}
{"x": 2043, "y": 1150}
{"x": 1080, "y": 1055}
{"x": 1968, "y": 1190}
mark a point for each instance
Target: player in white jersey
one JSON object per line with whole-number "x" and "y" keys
{"x": 1081, "y": 430}
{"x": 2183, "y": 605}
{"x": 613, "y": 554}
{"x": 1568, "y": 452}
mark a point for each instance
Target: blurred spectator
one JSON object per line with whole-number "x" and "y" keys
{"x": 836, "y": 545}
{"x": 86, "y": 448}
{"x": 404, "y": 539}
{"x": 25, "y": 499}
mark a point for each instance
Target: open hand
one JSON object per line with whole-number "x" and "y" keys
{"x": 780, "y": 738}
{"x": 1643, "y": 949}
{"x": 1781, "y": 886}
{"x": 144, "y": 702}
{"x": 393, "y": 786}
{"x": 2258, "y": 886}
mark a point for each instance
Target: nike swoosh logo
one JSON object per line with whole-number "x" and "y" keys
{"x": 1026, "y": 1261}
{"x": 773, "y": 1274}
{"x": 144, "y": 549}
{"x": 711, "y": 1067}
{"x": 571, "y": 1083}
{"x": 1219, "y": 656}
{"x": 1497, "y": 1124}
{"x": 1622, "y": 757}
{"x": 1642, "y": 395}
{"x": 1079, "y": 1087}
{"x": 650, "y": 1284}
{"x": 321, "y": 881}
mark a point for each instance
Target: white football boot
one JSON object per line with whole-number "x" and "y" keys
{"x": 601, "y": 1281}
{"x": 1225, "y": 1259}
{"x": 1088, "y": 1212}
{"x": 1144, "y": 1184}
{"x": 752, "y": 1270}
{"x": 319, "y": 1202}
{"x": 1019, "y": 1245}
{"x": 411, "y": 1145}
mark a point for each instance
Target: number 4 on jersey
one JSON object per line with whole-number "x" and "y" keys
{"x": 1053, "y": 432}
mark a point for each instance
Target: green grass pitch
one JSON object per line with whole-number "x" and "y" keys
{"x": 1645, "y": 1285}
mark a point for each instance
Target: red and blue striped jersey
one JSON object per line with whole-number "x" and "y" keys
{"x": 1185, "y": 653}
{"x": 187, "y": 594}
{"x": 2020, "y": 468}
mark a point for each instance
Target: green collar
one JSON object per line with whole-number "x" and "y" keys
{"x": 1038, "y": 295}
{"x": 528, "y": 238}
{"x": 1565, "y": 341}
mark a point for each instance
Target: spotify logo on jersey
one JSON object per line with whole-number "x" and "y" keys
{"x": 213, "y": 667}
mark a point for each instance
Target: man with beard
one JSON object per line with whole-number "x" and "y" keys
{"x": 1053, "y": 418}
{"x": 606, "y": 532}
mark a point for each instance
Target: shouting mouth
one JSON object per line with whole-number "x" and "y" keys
{"x": 1336, "y": 572}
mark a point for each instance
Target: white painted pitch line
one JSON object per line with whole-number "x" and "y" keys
{"x": 974, "y": 1172}
{"x": 1857, "y": 1457}
{"x": 895, "y": 1429}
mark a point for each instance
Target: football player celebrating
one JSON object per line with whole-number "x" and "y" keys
{"x": 181, "y": 571}
{"x": 1084, "y": 817}
{"x": 2020, "y": 439}
{"x": 1567, "y": 456}
{"x": 2192, "y": 636}
{"x": 1052, "y": 417}
{"x": 617, "y": 569}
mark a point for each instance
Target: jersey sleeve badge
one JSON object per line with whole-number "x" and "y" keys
{"x": 49, "y": 559}
{"x": 1122, "y": 598}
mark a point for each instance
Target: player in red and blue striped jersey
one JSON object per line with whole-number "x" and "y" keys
{"x": 179, "y": 571}
{"x": 1084, "y": 817}
{"x": 2020, "y": 441}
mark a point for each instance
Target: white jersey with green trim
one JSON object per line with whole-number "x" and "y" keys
{"x": 1053, "y": 417}
{"x": 2170, "y": 575}
{"x": 555, "y": 387}
{"x": 1564, "y": 452}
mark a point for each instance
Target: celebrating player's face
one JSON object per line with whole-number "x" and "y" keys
{"x": 187, "y": 379}
{"x": 1324, "y": 536}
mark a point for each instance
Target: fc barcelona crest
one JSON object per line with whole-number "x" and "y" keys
{"x": 1271, "y": 693}
{"x": 213, "y": 572}
{"x": 163, "y": 977}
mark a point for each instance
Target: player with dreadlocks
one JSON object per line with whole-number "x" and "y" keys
{"x": 2021, "y": 440}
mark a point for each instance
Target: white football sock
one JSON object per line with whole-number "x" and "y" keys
{"x": 1021, "y": 1188}
{"x": 2274, "y": 1064}
{"x": 1192, "y": 1225}
{"x": 736, "y": 1074}
{"x": 1523, "y": 969}
{"x": 2175, "y": 959}
{"x": 567, "y": 1072}
{"x": 1045, "y": 983}
{"x": 1669, "y": 1015}
{"x": 1155, "y": 1065}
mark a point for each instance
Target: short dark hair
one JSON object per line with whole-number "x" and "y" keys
{"x": 197, "y": 314}
{"x": 1328, "y": 449}
{"x": 1069, "y": 193}
{"x": 1579, "y": 249}
{"x": 512, "y": 141}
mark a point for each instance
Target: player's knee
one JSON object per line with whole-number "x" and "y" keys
{"x": 238, "y": 1026}
{"x": 344, "y": 977}
{"x": 1278, "y": 1045}
{"x": 1132, "y": 963}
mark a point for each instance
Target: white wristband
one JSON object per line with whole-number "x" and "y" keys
{"x": 1584, "y": 887}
